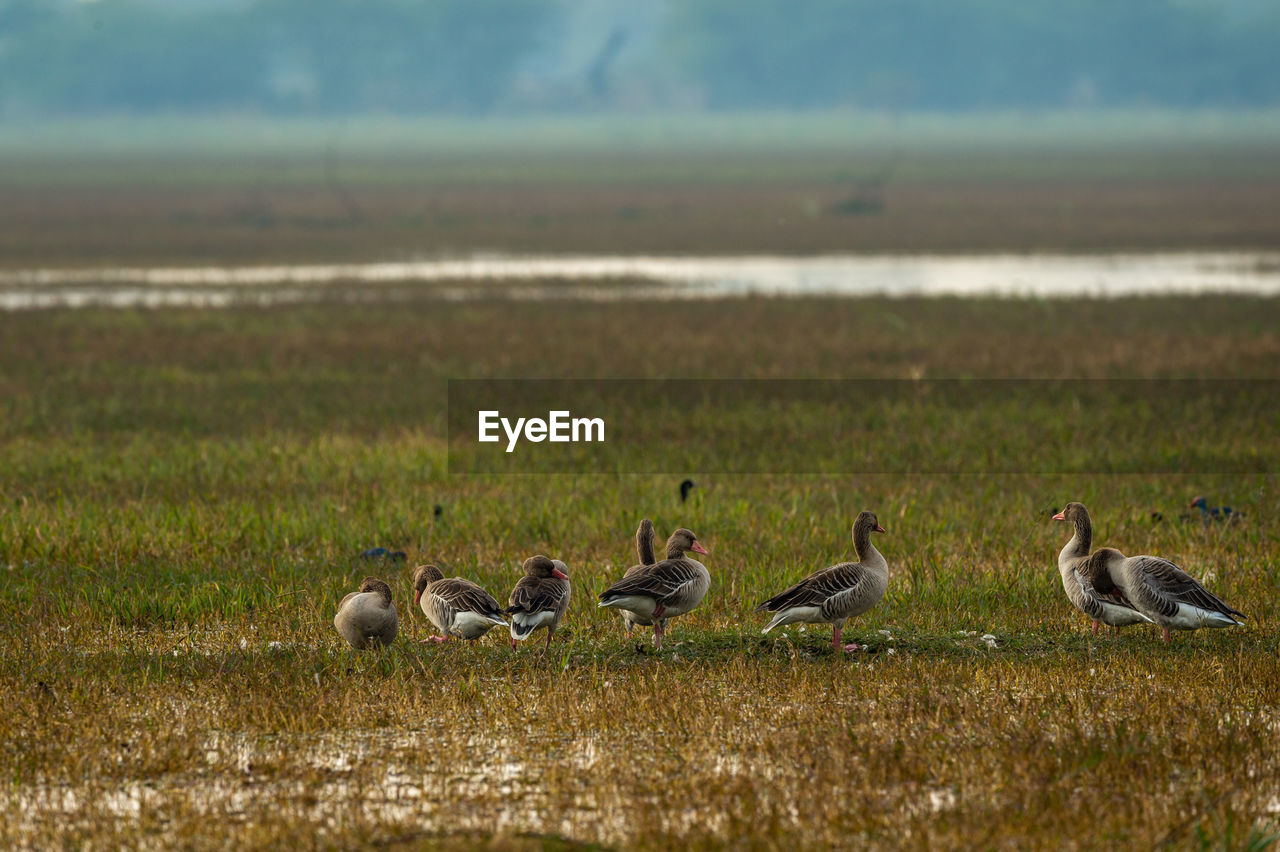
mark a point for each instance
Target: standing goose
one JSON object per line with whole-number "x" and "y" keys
{"x": 367, "y": 617}
{"x": 644, "y": 550}
{"x": 836, "y": 594}
{"x": 655, "y": 593}
{"x": 1087, "y": 586}
{"x": 1160, "y": 590}
{"x": 539, "y": 599}
{"x": 457, "y": 607}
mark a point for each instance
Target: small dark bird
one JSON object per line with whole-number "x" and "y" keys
{"x": 383, "y": 553}
{"x": 685, "y": 488}
{"x": 438, "y": 511}
{"x": 1214, "y": 514}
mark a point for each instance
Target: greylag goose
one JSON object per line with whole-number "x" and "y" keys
{"x": 837, "y": 593}
{"x": 539, "y": 599}
{"x": 1088, "y": 589}
{"x": 367, "y": 617}
{"x": 1157, "y": 588}
{"x": 655, "y": 593}
{"x": 644, "y": 550}
{"x": 457, "y": 607}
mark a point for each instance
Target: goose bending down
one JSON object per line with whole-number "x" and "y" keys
{"x": 1157, "y": 588}
{"x": 368, "y": 617}
{"x": 836, "y": 594}
{"x": 539, "y": 599}
{"x": 457, "y": 607}
{"x": 1088, "y": 587}
{"x": 661, "y": 591}
{"x": 644, "y": 550}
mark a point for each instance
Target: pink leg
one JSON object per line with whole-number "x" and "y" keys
{"x": 1095, "y": 627}
{"x": 548, "y": 638}
{"x": 513, "y": 643}
{"x": 837, "y": 640}
{"x": 1166, "y": 633}
{"x": 657, "y": 634}
{"x": 431, "y": 639}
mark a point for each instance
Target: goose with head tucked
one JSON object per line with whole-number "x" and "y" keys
{"x": 652, "y": 594}
{"x": 1088, "y": 586}
{"x": 1157, "y": 588}
{"x": 367, "y": 618}
{"x": 540, "y": 599}
{"x": 837, "y": 593}
{"x": 457, "y": 607}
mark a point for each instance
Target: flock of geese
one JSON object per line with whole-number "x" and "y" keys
{"x": 1104, "y": 584}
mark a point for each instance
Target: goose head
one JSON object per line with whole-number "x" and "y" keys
{"x": 424, "y": 576}
{"x": 543, "y": 567}
{"x": 865, "y": 524}
{"x": 685, "y": 488}
{"x": 682, "y": 540}
{"x": 1074, "y": 513}
{"x": 373, "y": 584}
{"x": 1200, "y": 503}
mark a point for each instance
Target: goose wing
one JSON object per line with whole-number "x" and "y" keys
{"x": 818, "y": 588}
{"x": 663, "y": 581}
{"x": 538, "y": 594}
{"x": 1170, "y": 582}
{"x": 462, "y": 595}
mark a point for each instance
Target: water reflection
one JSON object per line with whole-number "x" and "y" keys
{"x": 648, "y": 277}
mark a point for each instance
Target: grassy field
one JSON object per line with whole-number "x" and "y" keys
{"x": 184, "y": 494}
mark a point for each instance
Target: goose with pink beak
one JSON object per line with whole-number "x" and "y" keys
{"x": 653, "y": 594}
{"x": 836, "y": 593}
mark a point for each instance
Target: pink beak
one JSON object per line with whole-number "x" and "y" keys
{"x": 417, "y": 596}
{"x": 1059, "y": 517}
{"x": 697, "y": 548}
{"x": 558, "y": 574}
{"x": 878, "y": 528}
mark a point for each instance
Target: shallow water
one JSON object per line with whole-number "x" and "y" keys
{"x": 649, "y": 276}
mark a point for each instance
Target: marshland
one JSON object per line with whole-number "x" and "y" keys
{"x": 233, "y": 352}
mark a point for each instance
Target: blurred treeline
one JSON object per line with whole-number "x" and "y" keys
{"x": 513, "y": 56}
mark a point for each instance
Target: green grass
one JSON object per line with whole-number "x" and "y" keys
{"x": 181, "y": 490}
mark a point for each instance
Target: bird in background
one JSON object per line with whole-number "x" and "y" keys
{"x": 374, "y": 553}
{"x": 1214, "y": 514}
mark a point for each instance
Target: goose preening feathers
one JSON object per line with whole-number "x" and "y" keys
{"x": 539, "y": 599}
{"x": 1087, "y": 587}
{"x": 652, "y": 594}
{"x": 457, "y": 607}
{"x": 367, "y": 618}
{"x": 1155, "y": 587}
{"x": 839, "y": 592}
